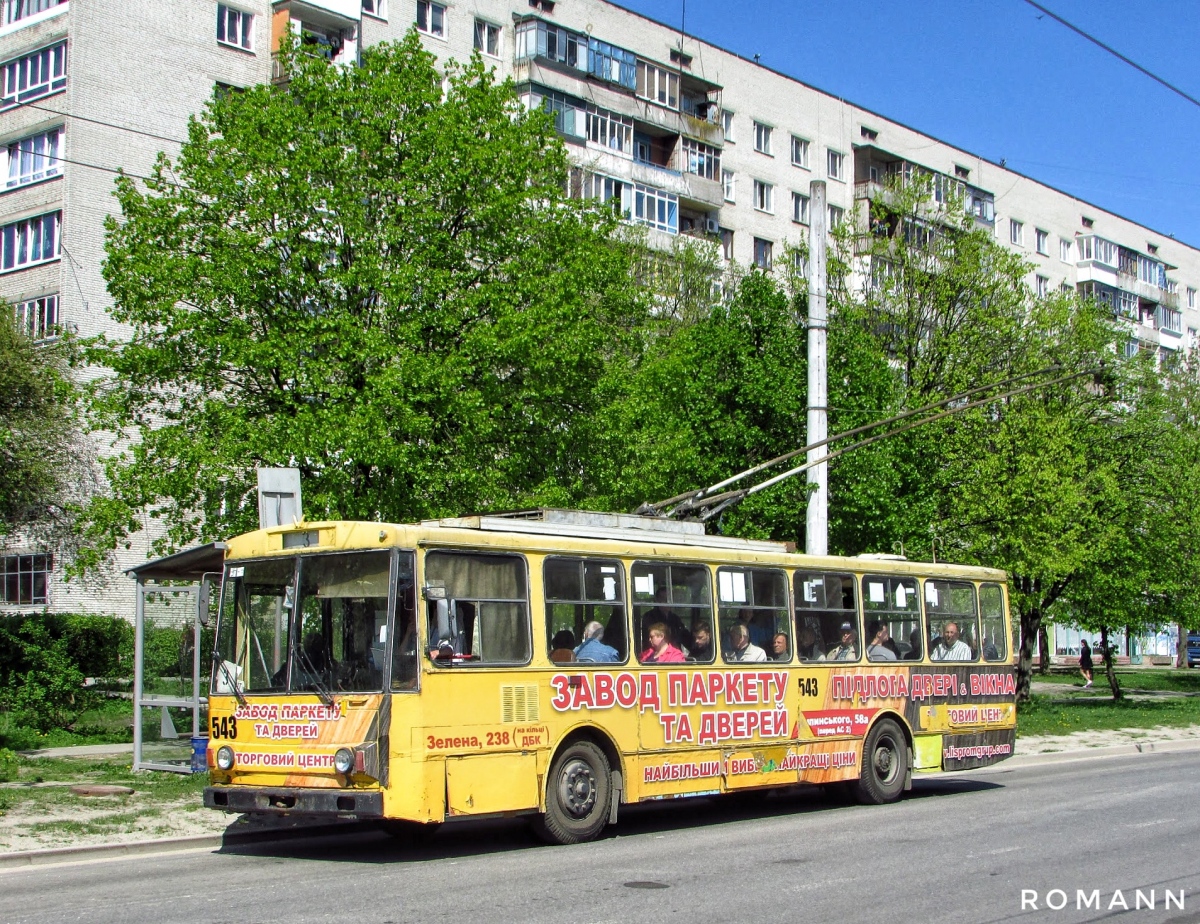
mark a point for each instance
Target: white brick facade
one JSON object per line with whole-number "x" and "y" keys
{"x": 137, "y": 69}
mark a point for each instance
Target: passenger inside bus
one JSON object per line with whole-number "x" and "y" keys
{"x": 847, "y": 648}
{"x": 951, "y": 647}
{"x": 779, "y": 648}
{"x": 702, "y": 646}
{"x": 660, "y": 650}
{"x": 593, "y": 647}
{"x": 562, "y": 647}
{"x": 809, "y": 648}
{"x": 878, "y": 648}
{"x": 662, "y": 613}
{"x": 740, "y": 647}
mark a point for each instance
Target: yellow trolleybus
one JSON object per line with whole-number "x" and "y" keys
{"x": 562, "y": 664}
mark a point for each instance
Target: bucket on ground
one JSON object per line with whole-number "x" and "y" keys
{"x": 199, "y": 754}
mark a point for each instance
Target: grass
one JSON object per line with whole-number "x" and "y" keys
{"x": 1176, "y": 681}
{"x": 111, "y": 723}
{"x": 1048, "y": 715}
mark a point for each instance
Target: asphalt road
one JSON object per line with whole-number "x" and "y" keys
{"x": 957, "y": 849}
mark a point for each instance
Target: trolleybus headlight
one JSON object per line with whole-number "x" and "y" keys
{"x": 225, "y": 757}
{"x": 343, "y": 760}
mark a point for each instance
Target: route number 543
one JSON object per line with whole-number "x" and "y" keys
{"x": 224, "y": 726}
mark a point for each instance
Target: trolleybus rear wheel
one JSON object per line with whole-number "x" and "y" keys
{"x": 578, "y": 795}
{"x": 884, "y": 764}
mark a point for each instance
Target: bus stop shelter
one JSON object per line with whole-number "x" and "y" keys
{"x": 176, "y": 589}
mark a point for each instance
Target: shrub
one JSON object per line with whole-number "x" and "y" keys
{"x": 8, "y": 766}
{"x": 48, "y": 693}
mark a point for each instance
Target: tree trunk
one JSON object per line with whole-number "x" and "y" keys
{"x": 1043, "y": 649}
{"x": 1108, "y": 664}
{"x": 1181, "y": 648}
{"x": 1031, "y": 623}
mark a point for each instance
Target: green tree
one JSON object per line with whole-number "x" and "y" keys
{"x": 373, "y": 274}
{"x": 41, "y": 455}
{"x": 1025, "y": 484}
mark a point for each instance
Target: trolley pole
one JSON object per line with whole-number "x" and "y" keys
{"x": 816, "y": 527}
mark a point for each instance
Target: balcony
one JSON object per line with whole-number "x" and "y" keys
{"x": 338, "y": 14}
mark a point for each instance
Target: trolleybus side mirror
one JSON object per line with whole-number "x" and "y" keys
{"x": 443, "y": 619}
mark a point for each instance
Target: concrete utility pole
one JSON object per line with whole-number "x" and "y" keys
{"x": 816, "y": 528}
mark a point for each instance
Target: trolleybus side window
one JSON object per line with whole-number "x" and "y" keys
{"x": 951, "y": 620}
{"x": 753, "y": 610}
{"x": 341, "y": 620}
{"x": 826, "y": 617}
{"x": 585, "y": 610}
{"x": 404, "y": 638}
{"x": 256, "y": 613}
{"x": 892, "y": 614}
{"x": 993, "y": 642}
{"x": 676, "y": 595}
{"x": 477, "y": 605}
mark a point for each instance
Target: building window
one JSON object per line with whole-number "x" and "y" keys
{"x": 799, "y": 152}
{"x": 1042, "y": 241}
{"x": 33, "y": 159}
{"x": 762, "y": 253}
{"x": 656, "y": 208}
{"x": 1016, "y": 232}
{"x": 762, "y": 138}
{"x": 15, "y": 10}
{"x": 728, "y": 182}
{"x": 235, "y": 27}
{"x": 727, "y": 125}
{"x": 608, "y": 190}
{"x": 35, "y": 74}
{"x": 536, "y": 39}
{"x": 25, "y": 578}
{"x": 657, "y": 84}
{"x": 726, "y": 244}
{"x": 1066, "y": 250}
{"x": 431, "y": 18}
{"x": 375, "y": 8}
{"x": 764, "y": 195}
{"x": 610, "y": 130}
{"x": 1041, "y": 286}
{"x": 1168, "y": 320}
{"x": 28, "y": 242}
{"x": 1191, "y": 297}
{"x": 836, "y": 215}
{"x": 487, "y": 38}
{"x": 701, "y": 159}
{"x": 836, "y": 165}
{"x": 608, "y": 62}
{"x": 38, "y": 317}
{"x": 799, "y": 208}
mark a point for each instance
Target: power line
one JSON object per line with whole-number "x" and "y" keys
{"x": 1112, "y": 51}
{"x": 124, "y": 128}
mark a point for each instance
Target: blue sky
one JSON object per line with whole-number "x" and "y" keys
{"x": 992, "y": 77}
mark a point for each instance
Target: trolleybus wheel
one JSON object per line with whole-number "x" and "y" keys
{"x": 884, "y": 764}
{"x": 578, "y": 794}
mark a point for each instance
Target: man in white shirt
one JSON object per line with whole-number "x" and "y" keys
{"x": 951, "y": 647}
{"x": 740, "y": 647}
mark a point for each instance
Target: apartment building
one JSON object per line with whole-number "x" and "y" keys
{"x": 686, "y": 138}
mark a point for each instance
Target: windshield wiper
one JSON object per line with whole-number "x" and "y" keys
{"x": 230, "y": 678}
{"x": 325, "y": 696}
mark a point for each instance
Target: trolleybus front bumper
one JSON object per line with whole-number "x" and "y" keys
{"x": 284, "y": 800}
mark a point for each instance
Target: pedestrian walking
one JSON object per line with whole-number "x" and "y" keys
{"x": 1085, "y": 662}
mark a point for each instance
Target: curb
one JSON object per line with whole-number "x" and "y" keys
{"x": 53, "y": 855}
{"x": 1132, "y": 749}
